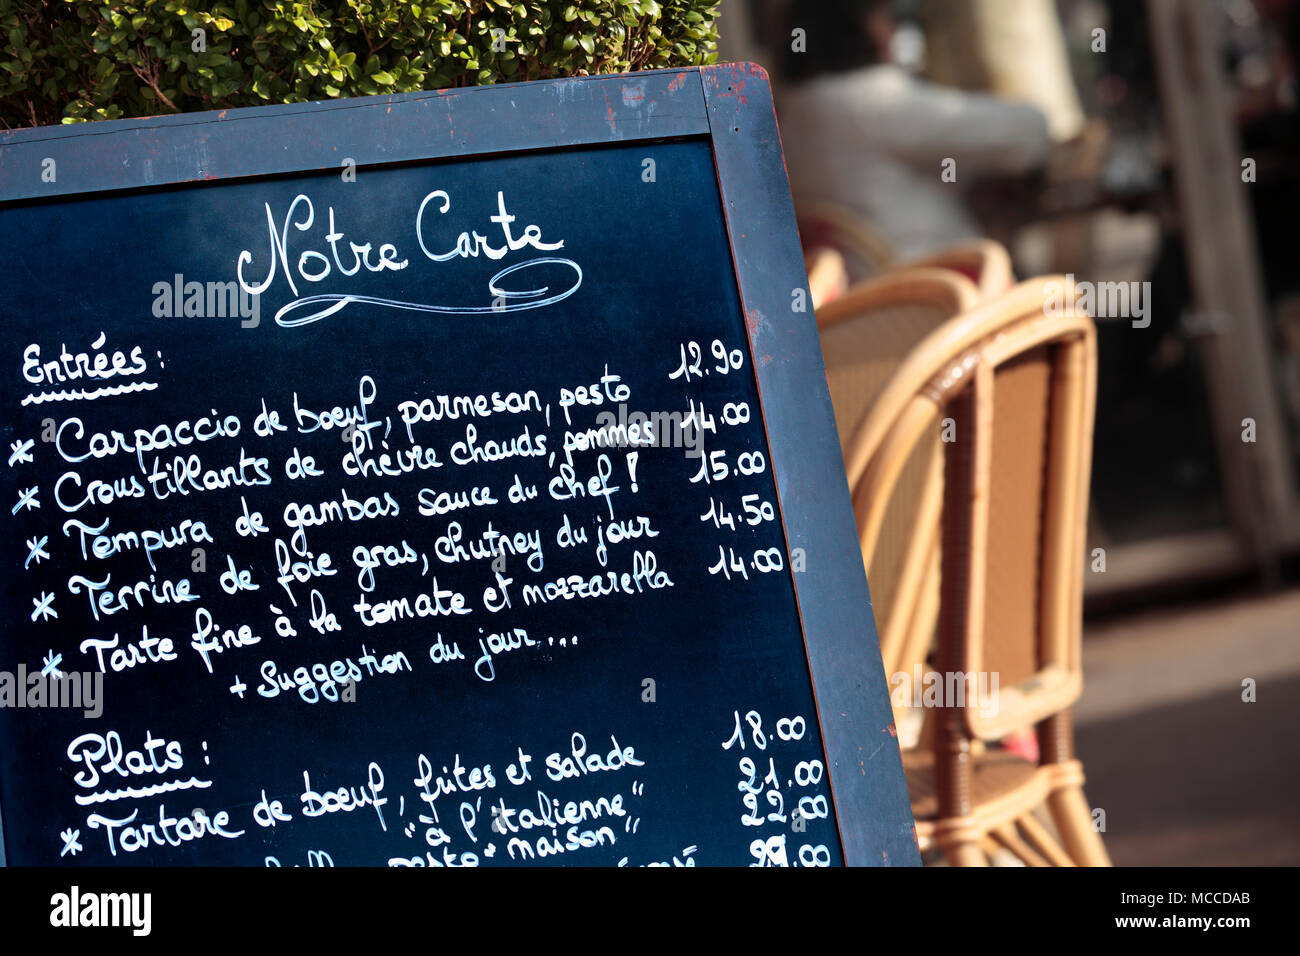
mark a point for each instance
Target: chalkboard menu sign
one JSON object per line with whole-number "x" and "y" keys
{"x": 441, "y": 479}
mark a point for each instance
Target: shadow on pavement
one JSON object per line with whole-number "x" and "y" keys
{"x": 1211, "y": 781}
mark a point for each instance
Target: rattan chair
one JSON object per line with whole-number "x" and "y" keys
{"x": 826, "y": 224}
{"x": 984, "y": 261}
{"x": 1014, "y": 386}
{"x": 866, "y": 335}
{"x": 828, "y": 279}
{"x": 866, "y": 254}
{"x": 868, "y": 331}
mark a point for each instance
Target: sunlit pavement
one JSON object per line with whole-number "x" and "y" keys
{"x": 1187, "y": 772}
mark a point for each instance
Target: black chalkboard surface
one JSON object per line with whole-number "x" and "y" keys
{"x": 430, "y": 480}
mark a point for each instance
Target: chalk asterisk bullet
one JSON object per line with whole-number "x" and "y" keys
{"x": 43, "y": 607}
{"x": 20, "y": 452}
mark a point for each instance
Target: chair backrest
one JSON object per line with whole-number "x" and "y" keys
{"x": 866, "y": 252}
{"x": 868, "y": 331}
{"x": 984, "y": 261}
{"x": 828, "y": 279}
{"x": 866, "y": 334}
{"x": 1011, "y": 386}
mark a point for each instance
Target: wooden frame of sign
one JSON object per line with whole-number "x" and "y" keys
{"x": 794, "y": 615}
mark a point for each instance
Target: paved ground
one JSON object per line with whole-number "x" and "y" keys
{"x": 1187, "y": 772}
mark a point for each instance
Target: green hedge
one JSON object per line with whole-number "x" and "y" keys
{"x": 75, "y": 60}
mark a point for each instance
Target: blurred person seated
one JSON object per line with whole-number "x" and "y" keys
{"x": 864, "y": 133}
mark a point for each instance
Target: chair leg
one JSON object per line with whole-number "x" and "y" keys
{"x": 1070, "y": 811}
{"x": 1044, "y": 842}
{"x": 989, "y": 847}
{"x": 1009, "y": 838}
{"x": 1074, "y": 822}
{"x": 964, "y": 854}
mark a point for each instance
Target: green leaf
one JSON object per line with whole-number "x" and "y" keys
{"x": 73, "y": 62}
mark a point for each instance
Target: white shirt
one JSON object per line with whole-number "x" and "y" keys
{"x": 876, "y": 140}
